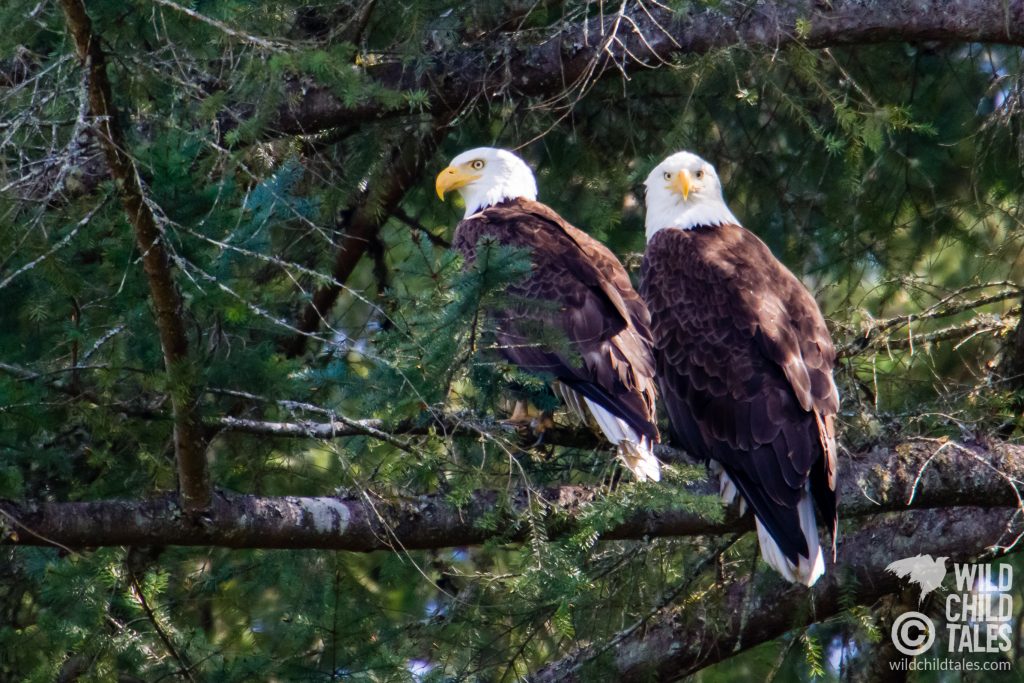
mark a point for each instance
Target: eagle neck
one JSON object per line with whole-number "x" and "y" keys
{"x": 705, "y": 214}
{"x": 503, "y": 202}
{"x": 479, "y": 198}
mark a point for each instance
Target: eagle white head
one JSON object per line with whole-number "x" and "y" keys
{"x": 486, "y": 176}
{"x": 683, "y": 192}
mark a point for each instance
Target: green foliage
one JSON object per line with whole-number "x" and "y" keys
{"x": 813, "y": 654}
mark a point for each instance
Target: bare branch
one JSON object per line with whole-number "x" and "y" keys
{"x": 340, "y": 426}
{"x": 64, "y": 241}
{"x": 980, "y": 324}
{"x": 871, "y": 336}
{"x": 224, "y": 28}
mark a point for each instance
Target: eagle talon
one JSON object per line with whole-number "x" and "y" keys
{"x": 541, "y": 424}
{"x": 529, "y": 425}
{"x": 611, "y": 482}
{"x": 532, "y": 433}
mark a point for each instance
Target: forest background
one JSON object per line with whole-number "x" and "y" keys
{"x": 249, "y": 426}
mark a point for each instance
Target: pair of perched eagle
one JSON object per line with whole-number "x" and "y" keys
{"x": 735, "y": 345}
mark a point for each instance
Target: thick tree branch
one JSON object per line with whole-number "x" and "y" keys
{"x": 925, "y": 496}
{"x": 915, "y": 475}
{"x": 189, "y": 446}
{"x": 580, "y": 53}
{"x": 407, "y": 162}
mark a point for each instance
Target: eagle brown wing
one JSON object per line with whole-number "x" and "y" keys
{"x": 615, "y": 276}
{"x": 744, "y": 364}
{"x": 580, "y": 290}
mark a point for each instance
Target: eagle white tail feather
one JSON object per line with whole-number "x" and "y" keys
{"x": 640, "y": 459}
{"x": 635, "y": 451}
{"x": 572, "y": 399}
{"x": 806, "y": 571}
{"x": 809, "y": 569}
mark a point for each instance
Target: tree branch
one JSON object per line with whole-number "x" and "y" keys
{"x": 185, "y": 666}
{"x": 340, "y": 426}
{"x": 578, "y": 54}
{"x": 915, "y": 475}
{"x": 872, "y": 334}
{"x": 374, "y": 209}
{"x": 421, "y": 229}
{"x": 189, "y": 445}
{"x": 582, "y": 52}
{"x": 948, "y": 498}
{"x": 680, "y": 643}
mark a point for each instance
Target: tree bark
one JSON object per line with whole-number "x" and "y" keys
{"x": 189, "y": 444}
{"x": 678, "y": 643}
{"x": 923, "y": 474}
{"x": 582, "y": 52}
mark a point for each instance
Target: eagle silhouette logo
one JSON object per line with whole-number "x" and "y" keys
{"x": 926, "y": 572}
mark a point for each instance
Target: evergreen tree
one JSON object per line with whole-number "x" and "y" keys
{"x": 251, "y": 417}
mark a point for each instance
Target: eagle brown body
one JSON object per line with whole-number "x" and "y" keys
{"x": 744, "y": 365}
{"x": 580, "y": 289}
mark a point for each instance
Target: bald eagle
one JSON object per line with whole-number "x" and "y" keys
{"x": 586, "y": 296}
{"x": 744, "y": 363}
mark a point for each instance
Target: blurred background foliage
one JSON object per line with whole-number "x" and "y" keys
{"x": 887, "y": 176}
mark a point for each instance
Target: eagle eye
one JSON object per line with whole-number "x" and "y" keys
{"x": 700, "y": 174}
{"x": 476, "y": 164}
{"x": 667, "y": 175}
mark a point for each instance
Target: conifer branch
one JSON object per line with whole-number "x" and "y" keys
{"x": 416, "y": 226}
{"x": 924, "y": 496}
{"x": 185, "y": 666}
{"x": 674, "y": 646}
{"x": 916, "y": 475}
{"x": 63, "y": 242}
{"x": 264, "y": 43}
{"x": 561, "y": 66}
{"x": 385, "y": 191}
{"x": 189, "y": 444}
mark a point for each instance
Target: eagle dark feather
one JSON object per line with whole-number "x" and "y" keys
{"x": 579, "y": 288}
{"x": 744, "y": 366}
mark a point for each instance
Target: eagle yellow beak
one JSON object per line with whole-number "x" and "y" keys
{"x": 682, "y": 184}
{"x": 452, "y": 178}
